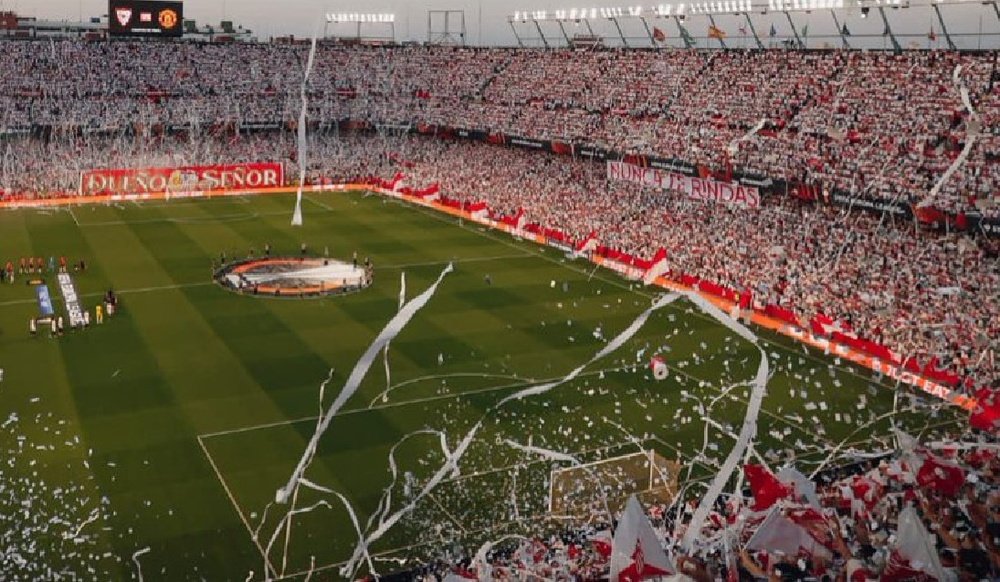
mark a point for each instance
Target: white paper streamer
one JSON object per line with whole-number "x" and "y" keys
{"x": 385, "y": 502}
{"x": 391, "y": 330}
{"x": 484, "y": 571}
{"x": 385, "y": 353}
{"x": 545, "y": 453}
{"x": 303, "y": 149}
{"x": 612, "y": 346}
{"x": 351, "y": 566}
{"x": 94, "y": 515}
{"x": 747, "y": 432}
{"x": 135, "y": 560}
{"x": 451, "y": 464}
{"x": 972, "y": 132}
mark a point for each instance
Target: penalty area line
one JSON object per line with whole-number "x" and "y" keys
{"x": 236, "y": 506}
{"x": 453, "y": 396}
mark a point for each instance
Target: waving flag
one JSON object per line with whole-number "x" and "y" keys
{"x": 659, "y": 35}
{"x": 914, "y": 555}
{"x": 941, "y": 476}
{"x": 767, "y": 489}
{"x": 602, "y": 543}
{"x": 987, "y": 414}
{"x": 716, "y": 32}
{"x": 789, "y": 535}
{"x": 636, "y": 553}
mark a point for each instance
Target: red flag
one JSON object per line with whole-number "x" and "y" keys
{"x": 659, "y": 35}
{"x": 987, "y": 414}
{"x": 602, "y": 543}
{"x": 767, "y": 489}
{"x": 929, "y": 215}
{"x": 716, "y": 32}
{"x": 940, "y": 476}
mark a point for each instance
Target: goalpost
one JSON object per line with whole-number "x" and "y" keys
{"x": 574, "y": 491}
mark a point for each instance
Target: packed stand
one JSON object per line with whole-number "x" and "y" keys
{"x": 888, "y": 126}
{"x": 916, "y": 514}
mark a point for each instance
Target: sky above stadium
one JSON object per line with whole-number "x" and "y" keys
{"x": 486, "y": 20}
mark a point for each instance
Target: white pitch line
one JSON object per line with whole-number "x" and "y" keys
{"x": 73, "y": 214}
{"x": 222, "y": 218}
{"x": 453, "y": 519}
{"x": 385, "y": 393}
{"x": 318, "y": 203}
{"x": 477, "y": 474}
{"x": 236, "y": 506}
{"x": 122, "y": 292}
{"x": 523, "y": 255}
{"x": 400, "y": 403}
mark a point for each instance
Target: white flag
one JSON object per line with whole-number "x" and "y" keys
{"x": 914, "y": 551}
{"x": 636, "y": 553}
{"x": 780, "y": 534}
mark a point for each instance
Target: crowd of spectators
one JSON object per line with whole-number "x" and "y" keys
{"x": 884, "y": 125}
{"x": 890, "y": 127}
{"x": 851, "y": 530}
{"x": 881, "y": 124}
{"x": 926, "y": 295}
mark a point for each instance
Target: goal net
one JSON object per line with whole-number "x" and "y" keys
{"x": 581, "y": 489}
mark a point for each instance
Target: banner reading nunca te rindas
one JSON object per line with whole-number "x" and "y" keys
{"x": 183, "y": 178}
{"x": 693, "y": 187}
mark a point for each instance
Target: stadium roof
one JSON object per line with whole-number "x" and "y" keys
{"x": 914, "y": 23}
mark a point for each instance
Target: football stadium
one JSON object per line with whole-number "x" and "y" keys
{"x": 480, "y": 291}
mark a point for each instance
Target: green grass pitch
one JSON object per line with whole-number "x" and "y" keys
{"x": 171, "y": 426}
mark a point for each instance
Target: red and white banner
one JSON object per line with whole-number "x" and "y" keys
{"x": 182, "y": 179}
{"x": 693, "y": 187}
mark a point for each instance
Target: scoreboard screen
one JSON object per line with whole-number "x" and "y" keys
{"x": 145, "y": 18}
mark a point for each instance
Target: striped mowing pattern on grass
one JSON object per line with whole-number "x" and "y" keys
{"x": 185, "y": 358}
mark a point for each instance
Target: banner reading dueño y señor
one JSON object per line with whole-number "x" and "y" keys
{"x": 183, "y": 178}
{"x": 693, "y": 187}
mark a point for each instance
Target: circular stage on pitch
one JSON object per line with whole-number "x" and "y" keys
{"x": 293, "y": 277}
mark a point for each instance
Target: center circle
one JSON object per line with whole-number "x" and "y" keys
{"x": 294, "y": 277}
